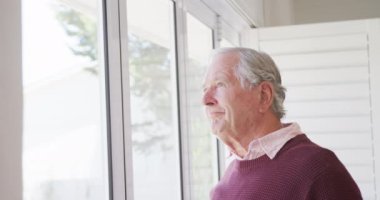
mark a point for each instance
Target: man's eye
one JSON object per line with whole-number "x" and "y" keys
{"x": 220, "y": 84}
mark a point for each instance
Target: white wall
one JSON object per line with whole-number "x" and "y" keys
{"x": 311, "y": 11}
{"x": 278, "y": 12}
{"x": 288, "y": 12}
{"x": 10, "y": 101}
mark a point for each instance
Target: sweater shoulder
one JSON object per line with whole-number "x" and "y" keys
{"x": 322, "y": 171}
{"x": 309, "y": 156}
{"x": 304, "y": 147}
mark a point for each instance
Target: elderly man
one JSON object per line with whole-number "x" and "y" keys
{"x": 244, "y": 99}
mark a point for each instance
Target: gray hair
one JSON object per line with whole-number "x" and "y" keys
{"x": 255, "y": 67}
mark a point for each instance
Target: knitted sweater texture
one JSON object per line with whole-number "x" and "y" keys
{"x": 300, "y": 170}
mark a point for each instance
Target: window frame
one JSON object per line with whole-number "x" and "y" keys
{"x": 117, "y": 87}
{"x": 118, "y": 101}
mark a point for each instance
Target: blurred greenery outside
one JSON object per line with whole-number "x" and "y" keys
{"x": 150, "y": 87}
{"x": 149, "y": 68}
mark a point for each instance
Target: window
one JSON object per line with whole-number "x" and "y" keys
{"x": 152, "y": 75}
{"x": 97, "y": 127}
{"x": 65, "y": 142}
{"x": 203, "y": 151}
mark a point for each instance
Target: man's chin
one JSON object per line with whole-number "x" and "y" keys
{"x": 218, "y": 126}
{"x": 214, "y": 132}
{"x": 217, "y": 131}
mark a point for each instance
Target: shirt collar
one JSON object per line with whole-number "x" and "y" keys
{"x": 271, "y": 143}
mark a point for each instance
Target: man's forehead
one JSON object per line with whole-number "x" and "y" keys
{"x": 222, "y": 65}
{"x": 217, "y": 75}
{"x": 220, "y": 73}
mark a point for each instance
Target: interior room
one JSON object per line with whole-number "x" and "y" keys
{"x": 102, "y": 99}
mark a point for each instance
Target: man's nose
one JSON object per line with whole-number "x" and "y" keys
{"x": 208, "y": 98}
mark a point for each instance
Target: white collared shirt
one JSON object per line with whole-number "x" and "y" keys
{"x": 271, "y": 143}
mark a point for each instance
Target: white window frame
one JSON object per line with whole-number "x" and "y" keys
{"x": 118, "y": 102}
{"x": 118, "y": 99}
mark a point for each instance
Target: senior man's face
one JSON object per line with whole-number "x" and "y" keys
{"x": 231, "y": 109}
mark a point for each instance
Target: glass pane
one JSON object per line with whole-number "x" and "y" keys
{"x": 156, "y": 164}
{"x": 65, "y": 140}
{"x": 204, "y": 173}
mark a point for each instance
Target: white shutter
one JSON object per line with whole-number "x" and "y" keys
{"x": 331, "y": 73}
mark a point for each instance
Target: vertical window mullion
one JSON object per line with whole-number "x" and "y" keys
{"x": 181, "y": 49}
{"x": 120, "y": 148}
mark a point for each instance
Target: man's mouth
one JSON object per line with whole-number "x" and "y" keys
{"x": 214, "y": 114}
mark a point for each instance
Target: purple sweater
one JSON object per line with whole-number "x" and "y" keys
{"x": 300, "y": 170}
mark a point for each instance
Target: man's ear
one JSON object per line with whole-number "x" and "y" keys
{"x": 266, "y": 96}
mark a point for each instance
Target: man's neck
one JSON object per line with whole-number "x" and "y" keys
{"x": 267, "y": 125}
